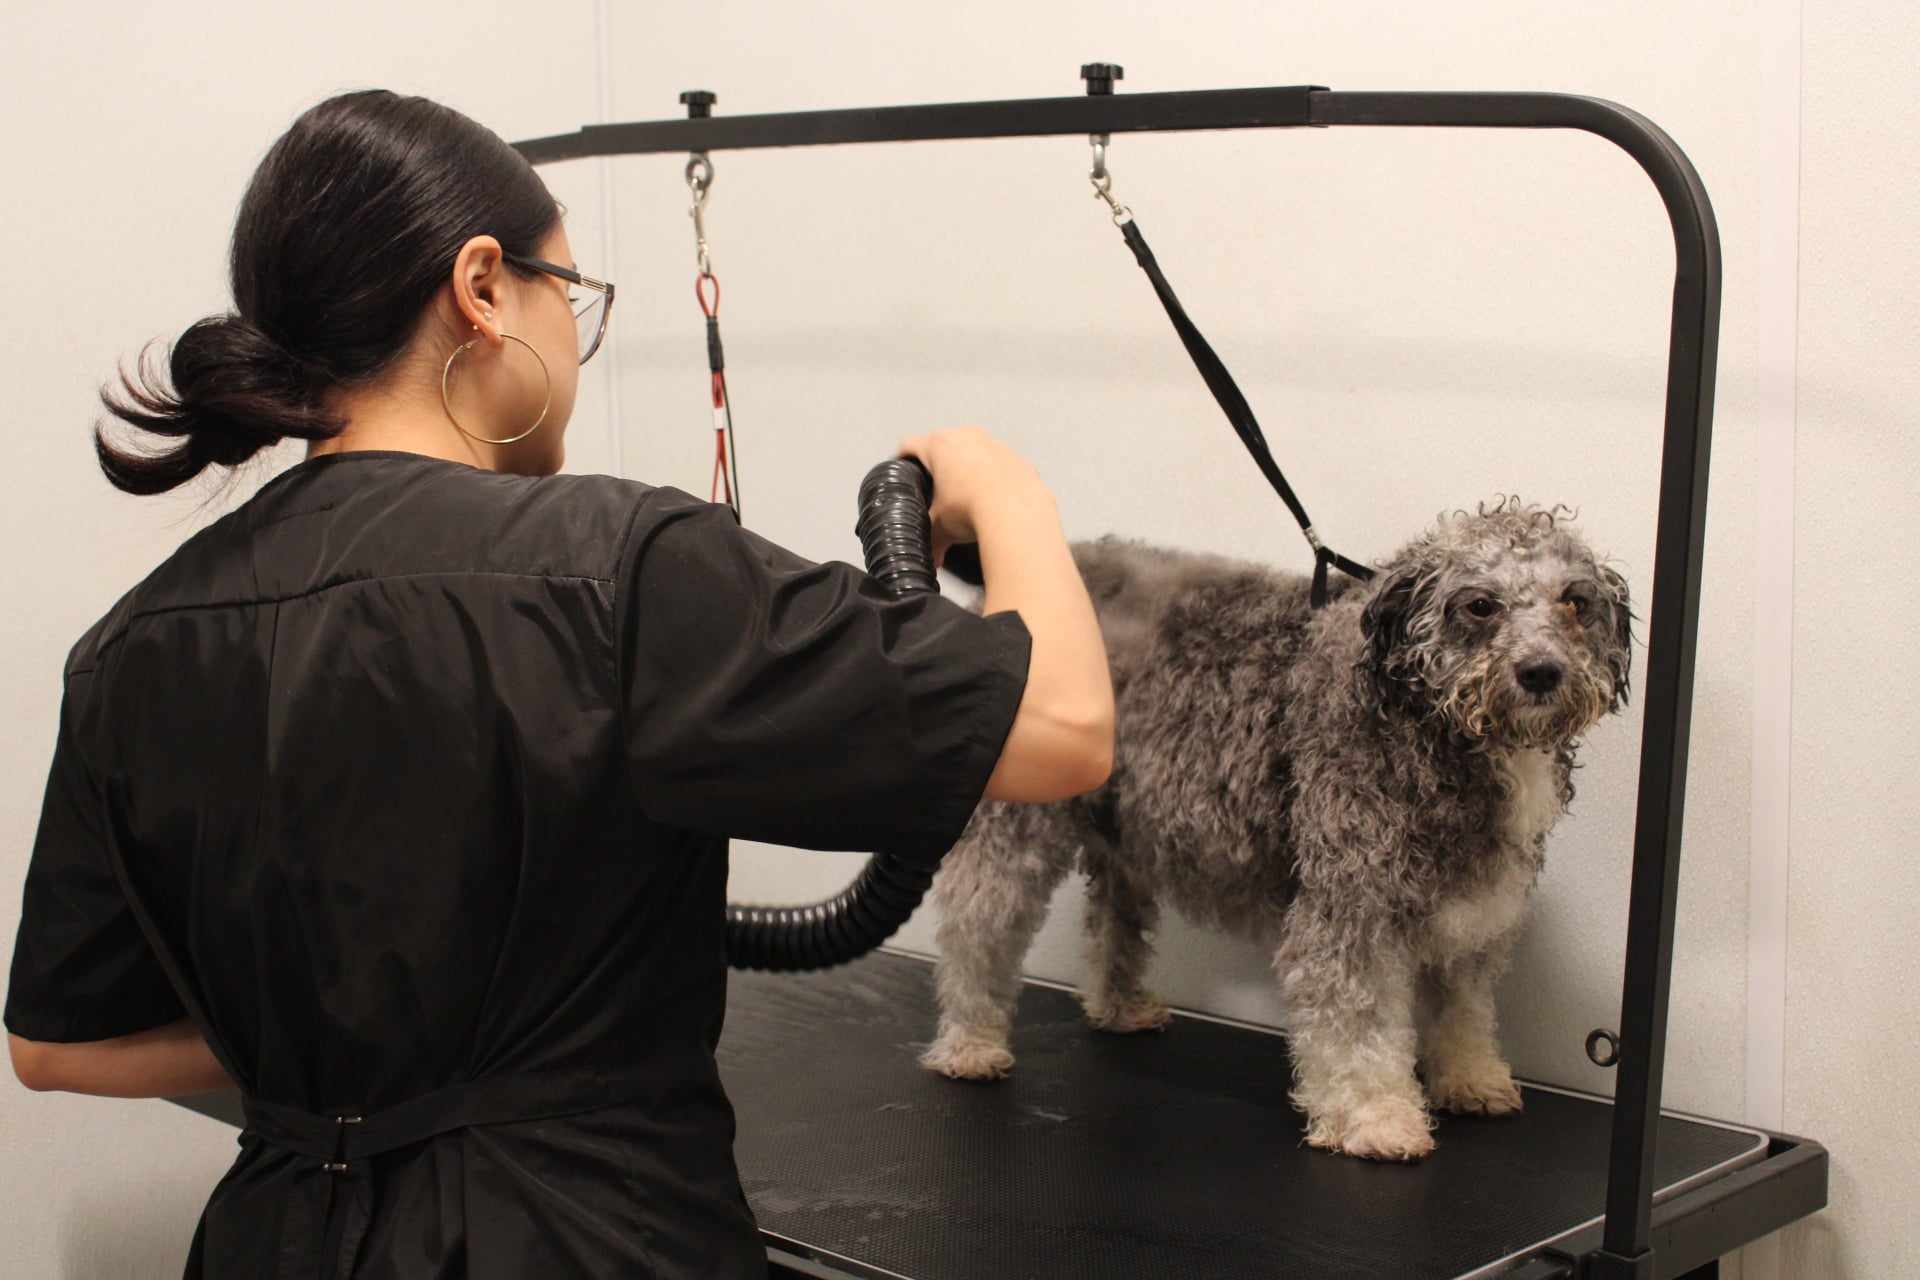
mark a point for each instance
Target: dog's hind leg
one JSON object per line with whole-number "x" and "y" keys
{"x": 992, "y": 893}
{"x": 1458, "y": 1047}
{"x": 1121, "y": 915}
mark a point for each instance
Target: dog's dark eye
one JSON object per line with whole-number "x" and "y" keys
{"x": 1578, "y": 603}
{"x": 1483, "y": 607}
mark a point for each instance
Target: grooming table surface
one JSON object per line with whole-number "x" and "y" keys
{"x": 1172, "y": 1155}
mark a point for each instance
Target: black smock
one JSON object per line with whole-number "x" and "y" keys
{"x": 412, "y": 783}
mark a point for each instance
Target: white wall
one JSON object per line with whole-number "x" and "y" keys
{"x": 1422, "y": 319}
{"x": 1851, "y": 1006}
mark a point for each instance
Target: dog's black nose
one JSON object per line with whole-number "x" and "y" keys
{"x": 1540, "y": 677}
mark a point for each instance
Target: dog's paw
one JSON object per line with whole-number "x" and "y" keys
{"x": 1144, "y": 1012}
{"x": 960, "y": 1054}
{"x": 1386, "y": 1129}
{"x": 1486, "y": 1090}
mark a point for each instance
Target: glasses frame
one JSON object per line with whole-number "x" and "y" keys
{"x": 573, "y": 277}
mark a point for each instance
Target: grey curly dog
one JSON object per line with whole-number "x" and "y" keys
{"x": 1365, "y": 788}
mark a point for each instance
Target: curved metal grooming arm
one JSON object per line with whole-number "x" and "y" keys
{"x": 1691, "y": 354}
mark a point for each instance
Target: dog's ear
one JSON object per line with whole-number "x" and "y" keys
{"x": 1620, "y": 640}
{"x": 1384, "y": 623}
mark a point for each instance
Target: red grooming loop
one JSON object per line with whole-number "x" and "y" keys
{"x": 724, "y": 488}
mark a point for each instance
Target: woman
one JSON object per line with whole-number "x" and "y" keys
{"x": 399, "y": 798}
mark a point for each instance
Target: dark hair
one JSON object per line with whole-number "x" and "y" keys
{"x": 351, "y": 223}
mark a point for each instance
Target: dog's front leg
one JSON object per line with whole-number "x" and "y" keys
{"x": 1350, "y": 1027}
{"x": 1459, "y": 1049}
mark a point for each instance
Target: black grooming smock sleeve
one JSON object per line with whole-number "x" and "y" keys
{"x": 771, "y": 698}
{"x": 82, "y": 970}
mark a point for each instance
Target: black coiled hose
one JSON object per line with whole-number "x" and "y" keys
{"x": 897, "y": 539}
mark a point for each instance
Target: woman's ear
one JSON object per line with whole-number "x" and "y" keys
{"x": 477, "y": 275}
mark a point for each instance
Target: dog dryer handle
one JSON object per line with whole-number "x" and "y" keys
{"x": 895, "y": 533}
{"x": 893, "y": 513}
{"x": 896, "y": 536}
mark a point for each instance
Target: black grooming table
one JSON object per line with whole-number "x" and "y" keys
{"x": 1173, "y": 1155}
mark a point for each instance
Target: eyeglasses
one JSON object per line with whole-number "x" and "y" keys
{"x": 590, "y": 313}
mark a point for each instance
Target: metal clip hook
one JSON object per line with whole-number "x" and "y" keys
{"x": 699, "y": 174}
{"x": 699, "y": 183}
{"x": 1103, "y": 190}
{"x": 1103, "y": 181}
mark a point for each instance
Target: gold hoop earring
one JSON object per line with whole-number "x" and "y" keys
{"x": 447, "y": 371}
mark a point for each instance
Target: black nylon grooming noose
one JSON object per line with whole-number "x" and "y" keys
{"x": 1239, "y": 414}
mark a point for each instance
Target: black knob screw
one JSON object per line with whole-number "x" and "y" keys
{"x": 1100, "y": 77}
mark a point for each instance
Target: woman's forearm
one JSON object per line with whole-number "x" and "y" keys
{"x": 1062, "y": 741}
{"x": 166, "y": 1062}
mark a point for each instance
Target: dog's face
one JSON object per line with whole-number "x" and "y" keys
{"x": 1502, "y": 625}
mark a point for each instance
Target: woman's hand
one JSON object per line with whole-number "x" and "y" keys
{"x": 972, "y": 472}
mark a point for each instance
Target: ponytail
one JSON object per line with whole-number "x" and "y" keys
{"x": 234, "y": 392}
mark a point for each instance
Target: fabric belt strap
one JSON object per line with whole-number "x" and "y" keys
{"x": 1239, "y": 414}
{"x": 341, "y": 1137}
{"x": 332, "y": 1199}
